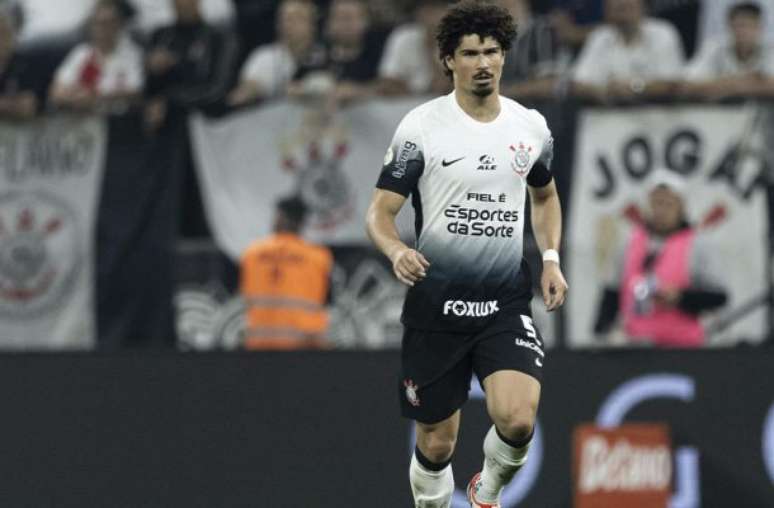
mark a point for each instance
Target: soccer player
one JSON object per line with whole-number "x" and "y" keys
{"x": 468, "y": 159}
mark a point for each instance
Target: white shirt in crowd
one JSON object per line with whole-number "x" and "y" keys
{"x": 718, "y": 59}
{"x": 271, "y": 66}
{"x": 406, "y": 57}
{"x": 153, "y": 14}
{"x": 657, "y": 54}
{"x": 50, "y": 18}
{"x": 713, "y": 21}
{"x": 121, "y": 71}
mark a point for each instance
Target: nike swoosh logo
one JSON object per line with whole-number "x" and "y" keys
{"x": 538, "y": 362}
{"x": 444, "y": 163}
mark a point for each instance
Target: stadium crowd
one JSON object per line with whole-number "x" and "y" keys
{"x": 162, "y": 62}
{"x": 607, "y": 52}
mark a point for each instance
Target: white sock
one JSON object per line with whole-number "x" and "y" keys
{"x": 501, "y": 462}
{"x": 431, "y": 489}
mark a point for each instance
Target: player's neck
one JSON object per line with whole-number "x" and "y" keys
{"x": 482, "y": 109}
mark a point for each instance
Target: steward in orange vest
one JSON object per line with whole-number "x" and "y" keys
{"x": 285, "y": 284}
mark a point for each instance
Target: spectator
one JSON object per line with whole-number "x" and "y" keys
{"x": 188, "y": 63}
{"x": 713, "y": 21}
{"x": 285, "y": 284}
{"x": 53, "y": 22}
{"x": 105, "y": 73}
{"x": 537, "y": 60}
{"x": 386, "y": 15}
{"x": 155, "y": 14}
{"x": 574, "y": 20}
{"x": 410, "y": 63}
{"x": 20, "y": 96}
{"x": 631, "y": 58}
{"x": 742, "y": 66}
{"x": 666, "y": 276}
{"x": 353, "y": 50}
{"x": 270, "y": 69}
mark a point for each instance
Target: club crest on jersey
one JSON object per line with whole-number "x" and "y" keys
{"x": 521, "y": 158}
{"x": 411, "y": 392}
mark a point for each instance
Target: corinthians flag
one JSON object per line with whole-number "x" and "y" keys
{"x": 50, "y": 174}
{"x": 248, "y": 159}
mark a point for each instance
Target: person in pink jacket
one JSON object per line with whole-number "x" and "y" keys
{"x": 665, "y": 279}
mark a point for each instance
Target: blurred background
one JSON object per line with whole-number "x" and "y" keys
{"x": 191, "y": 312}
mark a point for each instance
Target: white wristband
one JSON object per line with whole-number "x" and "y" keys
{"x": 551, "y": 255}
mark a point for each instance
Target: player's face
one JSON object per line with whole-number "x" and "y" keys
{"x": 666, "y": 209}
{"x": 477, "y": 65}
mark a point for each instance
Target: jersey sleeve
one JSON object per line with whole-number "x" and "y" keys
{"x": 404, "y": 161}
{"x": 540, "y": 174}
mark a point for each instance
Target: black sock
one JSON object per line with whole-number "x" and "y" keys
{"x": 428, "y": 464}
{"x": 515, "y": 444}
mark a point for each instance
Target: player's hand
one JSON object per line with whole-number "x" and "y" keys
{"x": 553, "y": 285}
{"x": 410, "y": 266}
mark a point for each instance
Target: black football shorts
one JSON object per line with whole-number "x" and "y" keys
{"x": 437, "y": 367}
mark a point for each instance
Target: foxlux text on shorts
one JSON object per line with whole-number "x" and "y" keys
{"x": 470, "y": 309}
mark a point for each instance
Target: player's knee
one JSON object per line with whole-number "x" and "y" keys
{"x": 437, "y": 446}
{"x": 515, "y": 424}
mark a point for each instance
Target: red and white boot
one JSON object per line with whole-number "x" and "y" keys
{"x": 472, "y": 489}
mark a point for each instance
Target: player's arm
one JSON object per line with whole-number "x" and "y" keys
{"x": 408, "y": 264}
{"x": 547, "y": 228}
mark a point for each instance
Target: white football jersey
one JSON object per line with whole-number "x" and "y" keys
{"x": 468, "y": 184}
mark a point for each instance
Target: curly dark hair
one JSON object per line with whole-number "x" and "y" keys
{"x": 473, "y": 17}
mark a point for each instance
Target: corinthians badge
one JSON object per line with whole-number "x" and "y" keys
{"x": 40, "y": 255}
{"x": 411, "y": 392}
{"x": 521, "y": 159}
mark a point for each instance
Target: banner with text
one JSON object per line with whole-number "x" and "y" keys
{"x": 50, "y": 174}
{"x": 249, "y": 159}
{"x": 720, "y": 153}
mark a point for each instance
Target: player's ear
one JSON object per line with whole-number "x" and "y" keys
{"x": 448, "y": 60}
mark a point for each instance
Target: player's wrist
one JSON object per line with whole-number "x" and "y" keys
{"x": 395, "y": 251}
{"x": 551, "y": 255}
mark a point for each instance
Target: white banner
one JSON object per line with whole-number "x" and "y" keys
{"x": 249, "y": 159}
{"x": 50, "y": 174}
{"x": 720, "y": 152}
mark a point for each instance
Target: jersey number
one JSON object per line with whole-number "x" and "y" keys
{"x": 531, "y": 332}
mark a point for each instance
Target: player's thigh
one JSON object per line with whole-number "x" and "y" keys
{"x": 436, "y": 371}
{"x": 509, "y": 364}
{"x": 512, "y": 398}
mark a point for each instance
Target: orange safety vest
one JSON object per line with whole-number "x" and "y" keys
{"x": 284, "y": 282}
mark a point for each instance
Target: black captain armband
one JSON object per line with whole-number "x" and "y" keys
{"x": 539, "y": 175}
